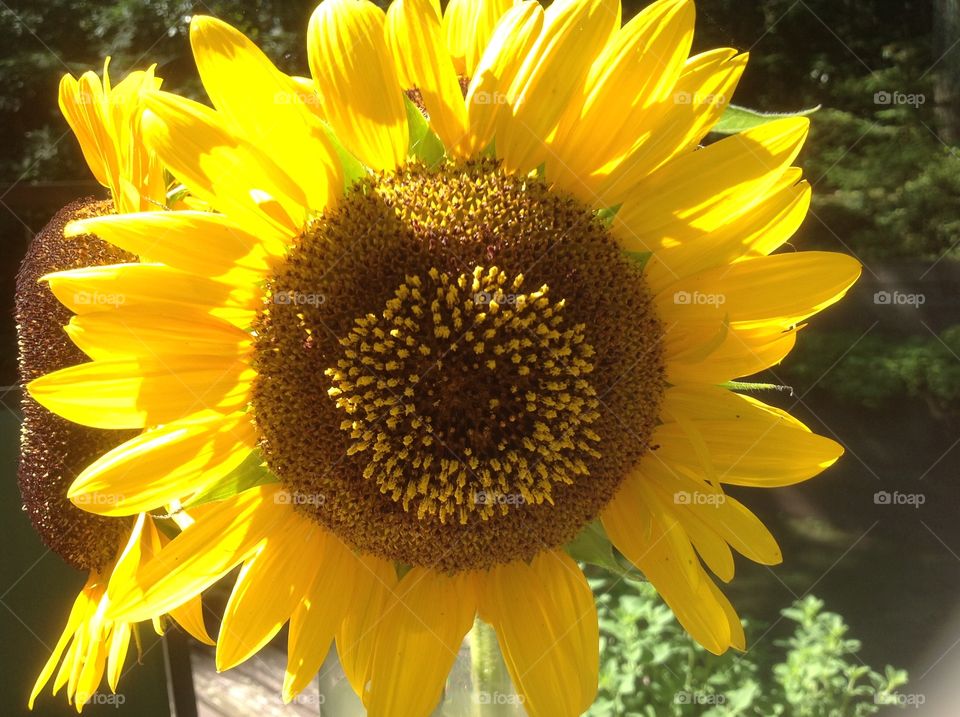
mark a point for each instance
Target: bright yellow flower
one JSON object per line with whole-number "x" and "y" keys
{"x": 106, "y": 121}
{"x": 93, "y": 643}
{"x": 451, "y": 365}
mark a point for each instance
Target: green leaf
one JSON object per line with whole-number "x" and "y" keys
{"x": 737, "y": 119}
{"x": 249, "y": 474}
{"x": 593, "y": 546}
{"x": 424, "y": 142}
{"x": 353, "y": 168}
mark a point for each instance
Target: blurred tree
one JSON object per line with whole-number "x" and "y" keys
{"x": 946, "y": 33}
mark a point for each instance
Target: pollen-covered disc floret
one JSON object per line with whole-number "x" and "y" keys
{"x": 512, "y": 417}
{"x": 456, "y": 367}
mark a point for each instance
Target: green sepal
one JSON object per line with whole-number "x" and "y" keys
{"x": 425, "y": 145}
{"x": 353, "y": 168}
{"x": 176, "y": 193}
{"x": 592, "y": 546}
{"x": 737, "y": 119}
{"x": 607, "y": 214}
{"x": 641, "y": 257}
{"x": 249, "y": 474}
{"x": 749, "y": 386}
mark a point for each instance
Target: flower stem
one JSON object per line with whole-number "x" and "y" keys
{"x": 492, "y": 690}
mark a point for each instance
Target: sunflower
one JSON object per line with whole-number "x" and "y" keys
{"x": 473, "y": 287}
{"x": 105, "y": 119}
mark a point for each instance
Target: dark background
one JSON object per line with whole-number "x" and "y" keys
{"x": 882, "y": 379}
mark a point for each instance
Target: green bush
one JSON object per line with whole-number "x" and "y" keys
{"x": 652, "y": 668}
{"x": 879, "y": 369}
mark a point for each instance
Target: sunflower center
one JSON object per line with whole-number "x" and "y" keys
{"x": 456, "y": 367}
{"x": 467, "y": 399}
{"x": 53, "y": 450}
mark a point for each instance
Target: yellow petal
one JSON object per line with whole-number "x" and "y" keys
{"x": 94, "y": 662}
{"x": 317, "y": 617}
{"x": 467, "y": 28}
{"x": 574, "y": 32}
{"x": 738, "y": 640}
{"x": 374, "y": 582}
{"x": 256, "y": 99}
{"x": 759, "y": 229}
{"x": 270, "y": 585}
{"x": 749, "y": 443}
{"x": 144, "y": 543}
{"x": 546, "y": 623}
{"x": 692, "y": 356}
{"x": 674, "y": 125}
{"x": 751, "y": 293}
{"x": 164, "y": 464}
{"x": 712, "y": 549}
{"x": 511, "y": 42}
{"x": 200, "y": 243}
{"x": 117, "y": 653}
{"x": 646, "y": 541}
{"x": 106, "y": 288}
{"x": 137, "y": 332}
{"x": 418, "y": 640}
{"x": 456, "y": 28}
{"x": 413, "y": 33}
{"x": 189, "y": 616}
{"x": 637, "y": 69}
{"x": 78, "y": 613}
{"x": 221, "y": 168}
{"x": 356, "y": 77}
{"x": 697, "y": 192}
{"x": 75, "y": 105}
{"x": 224, "y": 536}
{"x": 700, "y": 507}
{"x": 106, "y": 121}
{"x": 131, "y": 393}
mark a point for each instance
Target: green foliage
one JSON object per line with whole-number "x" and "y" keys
{"x": 884, "y": 190}
{"x": 651, "y": 667}
{"x": 880, "y": 369}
